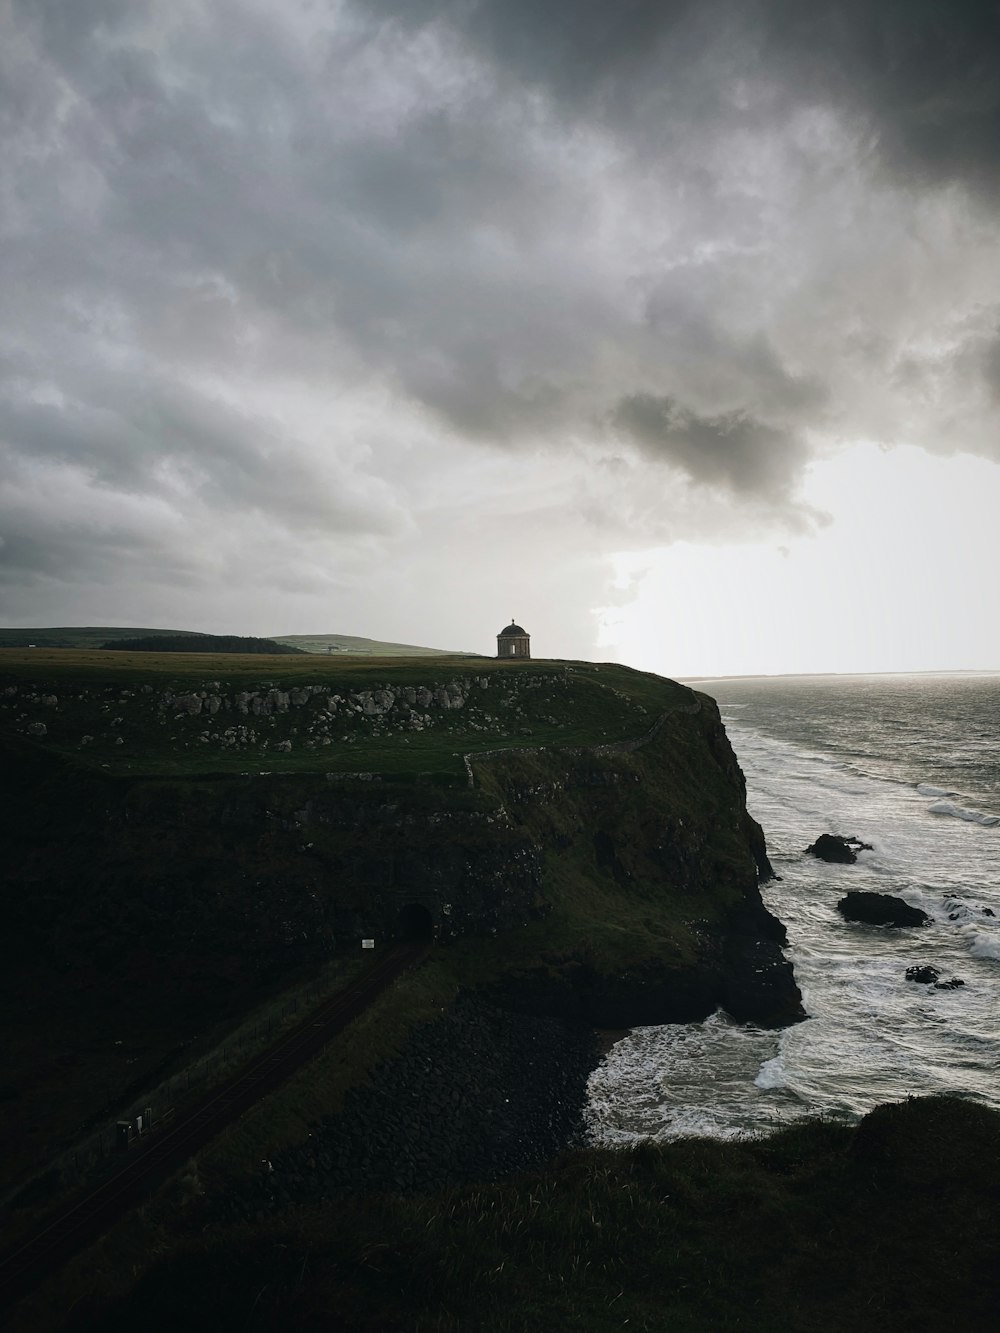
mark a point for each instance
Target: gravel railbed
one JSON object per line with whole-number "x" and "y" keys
{"x": 478, "y": 1093}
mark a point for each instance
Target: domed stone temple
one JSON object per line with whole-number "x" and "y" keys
{"x": 513, "y": 641}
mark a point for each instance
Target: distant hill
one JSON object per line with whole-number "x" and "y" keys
{"x": 349, "y": 643}
{"x": 79, "y": 636}
{"x": 201, "y": 643}
{"x": 100, "y": 636}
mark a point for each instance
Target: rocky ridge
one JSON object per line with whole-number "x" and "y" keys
{"x": 275, "y": 716}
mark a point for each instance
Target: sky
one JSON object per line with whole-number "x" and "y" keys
{"x": 668, "y": 328}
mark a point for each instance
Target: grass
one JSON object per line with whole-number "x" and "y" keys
{"x": 816, "y": 1229}
{"x": 118, "y": 702}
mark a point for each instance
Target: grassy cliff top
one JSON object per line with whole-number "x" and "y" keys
{"x": 207, "y": 714}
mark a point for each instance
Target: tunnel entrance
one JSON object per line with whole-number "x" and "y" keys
{"x": 414, "y": 923}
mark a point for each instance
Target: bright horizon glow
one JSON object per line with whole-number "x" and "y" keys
{"x": 898, "y": 581}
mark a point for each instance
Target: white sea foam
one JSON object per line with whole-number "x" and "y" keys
{"x": 772, "y": 1073}
{"x": 986, "y": 946}
{"x": 927, "y": 789}
{"x": 960, "y": 812}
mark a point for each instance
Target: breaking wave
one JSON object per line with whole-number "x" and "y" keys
{"x": 960, "y": 812}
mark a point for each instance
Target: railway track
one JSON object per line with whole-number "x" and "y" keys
{"x": 89, "y": 1216}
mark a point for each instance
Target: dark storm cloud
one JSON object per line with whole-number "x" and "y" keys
{"x": 924, "y": 72}
{"x": 733, "y": 451}
{"x": 289, "y": 260}
{"x": 574, "y": 47}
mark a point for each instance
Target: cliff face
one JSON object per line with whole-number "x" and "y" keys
{"x": 652, "y": 878}
{"x": 637, "y": 863}
{"x": 613, "y": 882}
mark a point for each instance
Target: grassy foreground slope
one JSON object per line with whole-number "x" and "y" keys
{"x": 889, "y": 1227}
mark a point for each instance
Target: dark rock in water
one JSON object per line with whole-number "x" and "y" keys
{"x": 988, "y": 911}
{"x": 930, "y": 976}
{"x": 924, "y": 976}
{"x": 881, "y": 909}
{"x": 840, "y": 851}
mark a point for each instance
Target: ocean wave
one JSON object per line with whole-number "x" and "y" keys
{"x": 960, "y": 812}
{"x": 771, "y": 1074}
{"x": 986, "y": 946}
{"x": 958, "y": 909}
{"x": 927, "y": 789}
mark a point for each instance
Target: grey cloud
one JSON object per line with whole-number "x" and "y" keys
{"x": 49, "y": 547}
{"x": 572, "y": 46}
{"x": 735, "y": 451}
{"x": 506, "y": 223}
{"x": 924, "y": 73}
{"x": 991, "y": 367}
{"x": 919, "y": 76}
{"x": 124, "y": 435}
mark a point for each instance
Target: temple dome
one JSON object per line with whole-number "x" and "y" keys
{"x": 510, "y": 630}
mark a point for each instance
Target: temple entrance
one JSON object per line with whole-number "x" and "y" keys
{"x": 414, "y": 923}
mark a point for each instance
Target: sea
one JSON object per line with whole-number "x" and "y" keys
{"x": 909, "y": 764}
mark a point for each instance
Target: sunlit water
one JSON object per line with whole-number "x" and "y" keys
{"x": 910, "y": 764}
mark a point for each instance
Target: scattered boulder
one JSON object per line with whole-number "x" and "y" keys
{"x": 923, "y": 976}
{"x": 953, "y": 984}
{"x": 37, "y": 729}
{"x": 881, "y": 909}
{"x": 840, "y": 851}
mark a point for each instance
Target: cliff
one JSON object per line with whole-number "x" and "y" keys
{"x": 582, "y": 829}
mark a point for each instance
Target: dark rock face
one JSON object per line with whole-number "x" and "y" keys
{"x": 837, "y": 850}
{"x": 928, "y": 976}
{"x": 923, "y": 976}
{"x": 881, "y": 909}
{"x": 742, "y": 970}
